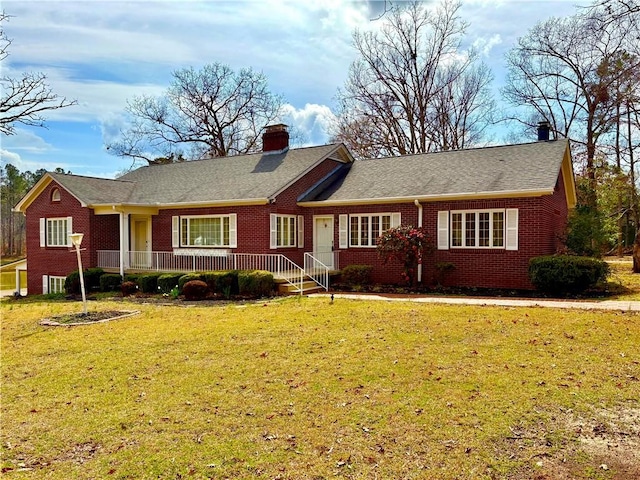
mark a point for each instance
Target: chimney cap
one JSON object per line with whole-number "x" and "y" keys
{"x": 278, "y": 127}
{"x": 544, "y": 127}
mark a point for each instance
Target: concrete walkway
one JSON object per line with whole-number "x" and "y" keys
{"x": 624, "y": 306}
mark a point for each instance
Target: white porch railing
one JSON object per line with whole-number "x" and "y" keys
{"x": 316, "y": 270}
{"x": 279, "y": 265}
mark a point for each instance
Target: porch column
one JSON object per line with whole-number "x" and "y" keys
{"x": 124, "y": 242}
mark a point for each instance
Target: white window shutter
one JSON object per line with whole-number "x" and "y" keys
{"x": 69, "y": 230}
{"x": 233, "y": 230}
{"x": 395, "y": 220}
{"x": 343, "y": 231}
{"x": 175, "y": 231}
{"x": 443, "y": 230}
{"x": 300, "y": 231}
{"x": 43, "y": 232}
{"x": 273, "y": 228}
{"x": 512, "y": 229}
{"x": 45, "y": 284}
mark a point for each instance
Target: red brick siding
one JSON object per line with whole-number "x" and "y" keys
{"x": 541, "y": 221}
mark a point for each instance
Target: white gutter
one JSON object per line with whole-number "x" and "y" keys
{"x": 419, "y": 205}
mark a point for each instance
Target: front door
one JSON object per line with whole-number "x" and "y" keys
{"x": 323, "y": 240}
{"x": 141, "y": 242}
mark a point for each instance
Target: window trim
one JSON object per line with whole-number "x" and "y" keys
{"x": 295, "y": 233}
{"x": 45, "y": 238}
{"x": 476, "y": 220}
{"x": 345, "y": 232}
{"x": 57, "y": 280}
{"x": 177, "y": 230}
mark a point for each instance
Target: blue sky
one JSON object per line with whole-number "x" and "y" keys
{"x": 104, "y": 52}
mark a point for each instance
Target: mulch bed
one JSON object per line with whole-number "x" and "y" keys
{"x": 72, "y": 319}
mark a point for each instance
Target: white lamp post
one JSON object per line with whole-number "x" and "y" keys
{"x": 76, "y": 239}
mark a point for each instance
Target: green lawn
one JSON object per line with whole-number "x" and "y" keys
{"x": 305, "y": 388}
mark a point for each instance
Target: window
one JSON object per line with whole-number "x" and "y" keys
{"x": 478, "y": 229}
{"x": 57, "y": 232}
{"x": 482, "y": 229}
{"x": 55, "y": 195}
{"x": 56, "y": 284}
{"x": 205, "y": 231}
{"x": 287, "y": 231}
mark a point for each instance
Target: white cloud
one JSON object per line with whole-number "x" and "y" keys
{"x": 313, "y": 122}
{"x": 26, "y": 141}
{"x": 485, "y": 45}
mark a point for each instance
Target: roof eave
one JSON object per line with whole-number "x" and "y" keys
{"x": 117, "y": 207}
{"x": 430, "y": 198}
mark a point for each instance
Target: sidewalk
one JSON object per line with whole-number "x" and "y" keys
{"x": 624, "y": 306}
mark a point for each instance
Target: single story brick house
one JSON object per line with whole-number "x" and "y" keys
{"x": 489, "y": 211}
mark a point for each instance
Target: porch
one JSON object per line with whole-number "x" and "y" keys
{"x": 313, "y": 275}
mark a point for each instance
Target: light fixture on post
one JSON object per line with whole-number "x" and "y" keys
{"x": 76, "y": 240}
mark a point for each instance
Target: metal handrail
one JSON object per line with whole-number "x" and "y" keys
{"x": 277, "y": 263}
{"x": 316, "y": 270}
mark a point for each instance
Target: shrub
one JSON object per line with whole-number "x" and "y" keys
{"x": 110, "y": 282}
{"x": 224, "y": 281}
{"x": 195, "y": 290}
{"x": 187, "y": 278}
{"x": 566, "y": 273}
{"x": 255, "y": 283}
{"x": 72, "y": 283}
{"x": 356, "y": 274}
{"x": 92, "y": 278}
{"x": 167, "y": 281}
{"x": 406, "y": 244}
{"x": 131, "y": 277}
{"x": 149, "y": 283}
{"x": 128, "y": 288}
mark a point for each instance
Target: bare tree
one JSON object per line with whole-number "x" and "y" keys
{"x": 25, "y": 99}
{"x": 413, "y": 90}
{"x": 556, "y": 70}
{"x": 212, "y": 111}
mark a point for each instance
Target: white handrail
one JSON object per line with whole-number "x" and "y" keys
{"x": 276, "y": 263}
{"x": 316, "y": 270}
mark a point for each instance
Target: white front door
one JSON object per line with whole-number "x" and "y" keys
{"x": 323, "y": 240}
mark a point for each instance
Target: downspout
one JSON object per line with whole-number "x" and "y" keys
{"x": 419, "y": 205}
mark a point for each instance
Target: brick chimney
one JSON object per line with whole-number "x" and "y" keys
{"x": 275, "y": 138}
{"x": 543, "y": 131}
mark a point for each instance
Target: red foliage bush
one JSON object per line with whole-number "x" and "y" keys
{"x": 195, "y": 290}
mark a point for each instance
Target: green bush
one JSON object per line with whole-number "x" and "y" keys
{"x": 110, "y": 282}
{"x": 566, "y": 273}
{"x": 168, "y": 281}
{"x": 149, "y": 283}
{"x": 72, "y": 283}
{"x": 195, "y": 290}
{"x": 356, "y": 274}
{"x": 91, "y": 280}
{"x": 132, "y": 277}
{"x": 224, "y": 281}
{"x": 187, "y": 278}
{"x": 255, "y": 283}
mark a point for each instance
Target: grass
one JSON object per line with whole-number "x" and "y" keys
{"x": 306, "y": 388}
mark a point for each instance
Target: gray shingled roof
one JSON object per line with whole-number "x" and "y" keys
{"x": 530, "y": 167}
{"x": 241, "y": 177}
{"x": 94, "y": 191}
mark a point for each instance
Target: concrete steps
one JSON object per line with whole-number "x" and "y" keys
{"x": 308, "y": 286}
